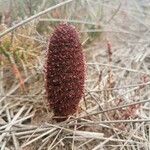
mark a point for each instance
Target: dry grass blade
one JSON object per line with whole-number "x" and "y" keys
{"x": 12, "y": 122}
{"x": 114, "y": 121}
{"x": 52, "y": 131}
{"x": 123, "y": 106}
{"x": 86, "y": 134}
{"x": 102, "y": 143}
{"x": 15, "y": 122}
{"x": 122, "y": 68}
{"x": 33, "y": 17}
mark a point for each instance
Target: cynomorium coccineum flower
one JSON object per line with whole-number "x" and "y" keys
{"x": 65, "y": 71}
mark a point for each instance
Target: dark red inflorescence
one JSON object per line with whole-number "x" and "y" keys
{"x": 65, "y": 71}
